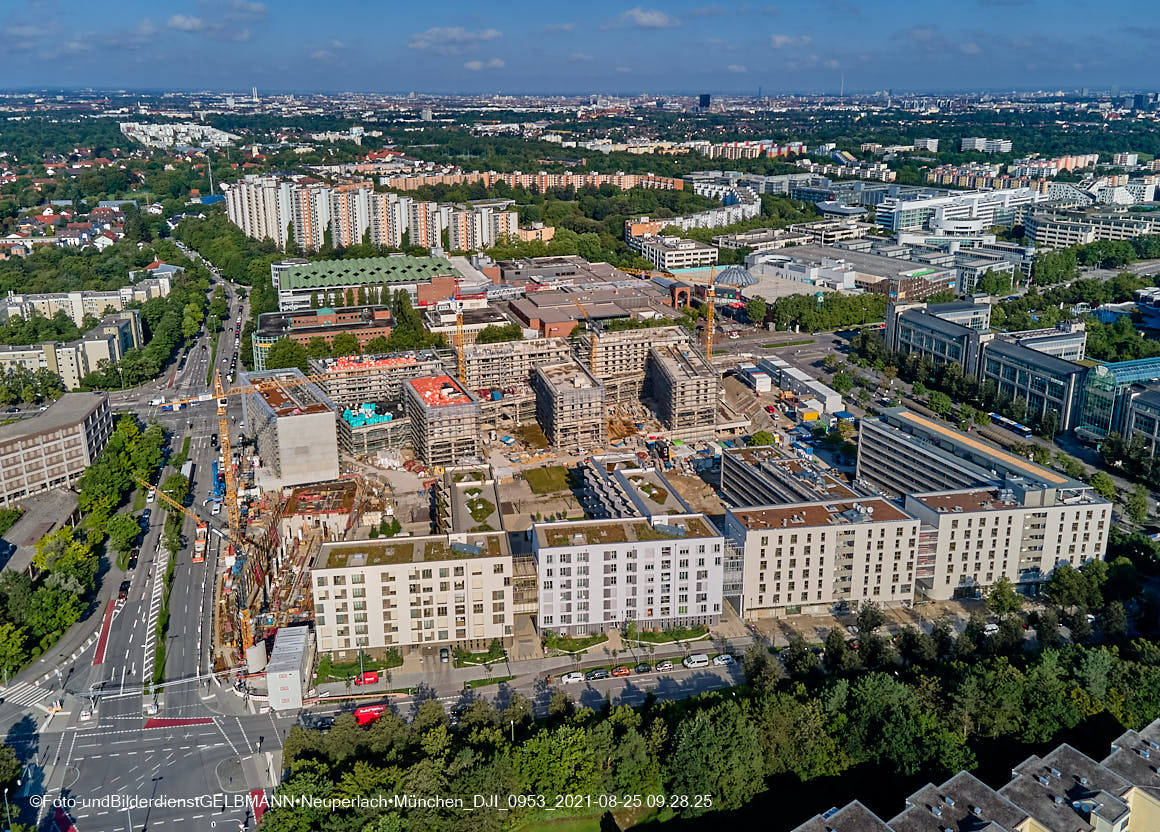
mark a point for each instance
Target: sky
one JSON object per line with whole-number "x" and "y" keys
{"x": 514, "y": 46}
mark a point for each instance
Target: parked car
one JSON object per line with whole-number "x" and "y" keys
{"x": 770, "y": 409}
{"x": 622, "y": 670}
{"x": 696, "y": 660}
{"x": 444, "y": 655}
{"x": 370, "y": 677}
{"x": 123, "y": 592}
{"x": 598, "y": 673}
{"x": 572, "y": 678}
{"x": 664, "y": 667}
{"x": 643, "y": 667}
{"x": 722, "y": 660}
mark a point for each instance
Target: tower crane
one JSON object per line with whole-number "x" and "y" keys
{"x": 594, "y": 334}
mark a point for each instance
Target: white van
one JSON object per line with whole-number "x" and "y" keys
{"x": 696, "y": 660}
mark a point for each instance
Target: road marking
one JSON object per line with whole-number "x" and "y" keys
{"x": 24, "y": 694}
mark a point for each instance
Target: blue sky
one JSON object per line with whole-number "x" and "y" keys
{"x": 515, "y": 46}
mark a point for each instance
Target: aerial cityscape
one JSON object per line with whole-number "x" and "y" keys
{"x": 592, "y": 419}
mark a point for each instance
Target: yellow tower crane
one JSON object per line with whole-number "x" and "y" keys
{"x": 593, "y": 334}
{"x": 709, "y": 304}
{"x": 460, "y": 346}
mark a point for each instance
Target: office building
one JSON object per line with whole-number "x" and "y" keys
{"x": 1142, "y": 419}
{"x": 1046, "y": 383}
{"x": 685, "y": 389}
{"x": 1062, "y": 228}
{"x": 426, "y": 280}
{"x": 408, "y": 592}
{"x": 901, "y": 452}
{"x": 53, "y": 448}
{"x": 659, "y": 572}
{"x": 762, "y": 239}
{"x": 363, "y": 322}
{"x": 671, "y": 253}
{"x": 446, "y": 322}
{"x": 1108, "y": 390}
{"x": 926, "y": 144}
{"x": 1063, "y": 789}
{"x": 807, "y": 557}
{"x": 956, "y": 212}
{"x": 765, "y": 475}
{"x": 294, "y": 428}
{"x": 444, "y": 420}
{"x": 570, "y": 406}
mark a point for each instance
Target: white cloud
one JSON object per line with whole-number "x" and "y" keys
{"x": 970, "y": 48}
{"x": 831, "y": 64}
{"x": 715, "y": 10}
{"x": 323, "y": 55}
{"x": 738, "y": 68}
{"x": 579, "y": 57}
{"x": 477, "y": 66}
{"x": 782, "y": 41}
{"x": 452, "y": 39}
{"x": 186, "y": 23}
{"x": 649, "y": 18}
{"x": 624, "y": 69}
{"x": 248, "y": 9}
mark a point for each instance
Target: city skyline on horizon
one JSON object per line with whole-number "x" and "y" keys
{"x": 606, "y": 48}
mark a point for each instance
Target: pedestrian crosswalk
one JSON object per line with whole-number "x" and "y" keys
{"x": 24, "y": 694}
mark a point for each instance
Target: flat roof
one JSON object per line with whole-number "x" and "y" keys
{"x": 284, "y": 403}
{"x": 398, "y": 268}
{"x": 399, "y": 550}
{"x": 963, "y": 802}
{"x": 629, "y": 530}
{"x": 872, "y": 264}
{"x": 985, "y": 499}
{"x": 439, "y": 391}
{"x": 568, "y": 375}
{"x": 683, "y": 361}
{"x": 824, "y": 513}
{"x": 70, "y": 409}
{"x": 958, "y": 438}
{"x": 323, "y": 498}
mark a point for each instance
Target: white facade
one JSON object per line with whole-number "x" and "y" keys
{"x": 660, "y": 572}
{"x": 670, "y": 253}
{"x": 260, "y": 206}
{"x": 402, "y": 592}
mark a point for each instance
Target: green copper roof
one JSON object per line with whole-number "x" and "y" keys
{"x": 324, "y": 274}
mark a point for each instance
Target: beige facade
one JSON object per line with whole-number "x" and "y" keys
{"x": 405, "y": 592}
{"x": 807, "y": 557}
{"x": 983, "y": 534}
{"x": 55, "y": 447}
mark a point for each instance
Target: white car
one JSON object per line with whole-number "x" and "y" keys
{"x": 722, "y": 660}
{"x": 572, "y": 678}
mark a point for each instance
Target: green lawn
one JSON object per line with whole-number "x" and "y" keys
{"x": 572, "y": 645}
{"x": 788, "y": 344}
{"x": 586, "y": 824}
{"x": 547, "y": 480}
{"x": 330, "y": 672}
{"x": 664, "y": 636}
{"x": 493, "y": 680}
{"x": 494, "y": 653}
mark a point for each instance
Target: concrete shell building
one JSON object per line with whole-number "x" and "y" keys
{"x": 570, "y": 406}
{"x": 444, "y": 420}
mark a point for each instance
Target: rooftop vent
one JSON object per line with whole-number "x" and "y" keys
{"x": 1058, "y": 799}
{"x": 936, "y": 811}
{"x": 1055, "y": 772}
{"x": 1083, "y": 781}
{"x": 977, "y": 811}
{"x": 950, "y": 801}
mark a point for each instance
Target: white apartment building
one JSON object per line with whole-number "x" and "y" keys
{"x": 478, "y": 227}
{"x": 260, "y": 206}
{"x": 425, "y": 224}
{"x": 926, "y": 144}
{"x": 670, "y": 253}
{"x": 660, "y": 572}
{"x": 405, "y": 592}
{"x": 975, "y": 536}
{"x": 986, "y": 145}
{"x": 807, "y": 557}
{"x": 310, "y": 214}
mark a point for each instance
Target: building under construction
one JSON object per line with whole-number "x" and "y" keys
{"x": 353, "y": 381}
{"x": 619, "y": 359}
{"x": 685, "y": 389}
{"x": 444, "y": 420}
{"x": 570, "y": 406}
{"x": 497, "y": 366}
{"x": 294, "y": 429}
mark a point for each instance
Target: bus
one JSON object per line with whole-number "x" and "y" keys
{"x": 1011, "y": 425}
{"x": 368, "y": 713}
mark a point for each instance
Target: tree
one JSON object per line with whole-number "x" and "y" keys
{"x": 123, "y": 531}
{"x": 842, "y": 382}
{"x": 761, "y": 437}
{"x": 717, "y": 752}
{"x": 940, "y": 403}
{"x": 176, "y": 487}
{"x": 755, "y": 310}
{"x": 1003, "y": 600}
{"x": 12, "y": 654}
{"x": 494, "y": 334}
{"x": 870, "y": 618}
{"x": 316, "y": 348}
{"x": 1138, "y": 504}
{"x": 1114, "y": 621}
{"x": 346, "y": 343}
{"x": 1103, "y": 485}
{"x": 285, "y": 353}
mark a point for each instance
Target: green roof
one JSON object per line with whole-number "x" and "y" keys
{"x": 324, "y": 274}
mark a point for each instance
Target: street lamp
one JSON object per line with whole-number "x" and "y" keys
{"x": 7, "y": 812}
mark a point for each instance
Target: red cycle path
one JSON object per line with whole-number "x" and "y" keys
{"x": 103, "y": 641}
{"x": 161, "y": 722}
